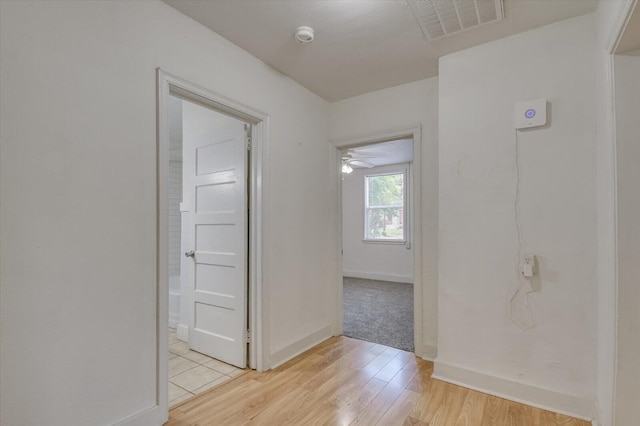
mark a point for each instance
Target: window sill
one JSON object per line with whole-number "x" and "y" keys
{"x": 391, "y": 242}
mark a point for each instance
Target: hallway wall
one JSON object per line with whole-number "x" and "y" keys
{"x": 552, "y": 362}
{"x": 78, "y": 202}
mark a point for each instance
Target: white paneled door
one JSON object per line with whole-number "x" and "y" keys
{"x": 215, "y": 183}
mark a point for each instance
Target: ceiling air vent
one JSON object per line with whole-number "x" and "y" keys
{"x": 441, "y": 18}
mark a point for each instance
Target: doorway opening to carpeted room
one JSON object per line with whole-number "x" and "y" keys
{"x": 378, "y": 242}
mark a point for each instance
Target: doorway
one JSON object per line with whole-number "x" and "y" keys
{"x": 380, "y": 286}
{"x": 626, "y": 103}
{"x": 209, "y": 238}
{"x": 208, "y": 206}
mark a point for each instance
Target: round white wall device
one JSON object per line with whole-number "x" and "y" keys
{"x": 304, "y": 34}
{"x": 531, "y": 113}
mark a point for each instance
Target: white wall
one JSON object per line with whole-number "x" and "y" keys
{"x": 627, "y": 99}
{"x": 376, "y": 261}
{"x": 609, "y": 16}
{"x": 402, "y": 107}
{"x": 553, "y": 363}
{"x": 78, "y": 201}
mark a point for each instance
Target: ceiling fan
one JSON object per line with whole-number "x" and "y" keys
{"x": 348, "y": 160}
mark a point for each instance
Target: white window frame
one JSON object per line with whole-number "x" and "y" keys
{"x": 405, "y": 205}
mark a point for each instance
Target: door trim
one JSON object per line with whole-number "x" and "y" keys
{"x": 415, "y": 176}
{"x": 258, "y": 310}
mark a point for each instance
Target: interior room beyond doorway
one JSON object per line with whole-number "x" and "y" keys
{"x": 378, "y": 291}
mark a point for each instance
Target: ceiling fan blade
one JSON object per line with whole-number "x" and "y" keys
{"x": 361, "y": 163}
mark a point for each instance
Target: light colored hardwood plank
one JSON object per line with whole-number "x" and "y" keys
{"x": 323, "y": 403}
{"x": 563, "y": 420}
{"x": 175, "y": 414}
{"x": 449, "y": 410}
{"x": 359, "y": 359}
{"x": 373, "y": 411}
{"x": 412, "y": 421}
{"x": 394, "y": 366}
{"x": 344, "y": 381}
{"x": 400, "y": 409}
{"x": 472, "y": 409}
{"x": 495, "y": 412}
{"x": 517, "y": 415}
{"x": 421, "y": 381}
{"x": 534, "y": 413}
{"x": 281, "y": 410}
{"x": 431, "y": 397}
{"x": 548, "y": 418}
{"x": 381, "y": 361}
{"x": 347, "y": 413}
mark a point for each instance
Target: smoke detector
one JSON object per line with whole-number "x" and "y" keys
{"x": 304, "y": 34}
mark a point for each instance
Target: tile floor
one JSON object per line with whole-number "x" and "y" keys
{"x": 191, "y": 372}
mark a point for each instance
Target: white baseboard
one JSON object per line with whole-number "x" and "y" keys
{"x": 283, "y": 355}
{"x": 427, "y": 352}
{"x": 182, "y": 332}
{"x": 569, "y": 405}
{"x": 150, "y": 416}
{"x": 173, "y": 319}
{"x": 379, "y": 277}
{"x": 597, "y": 416}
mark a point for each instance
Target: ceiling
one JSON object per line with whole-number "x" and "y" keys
{"x": 382, "y": 153}
{"x": 360, "y": 46}
{"x": 630, "y": 41}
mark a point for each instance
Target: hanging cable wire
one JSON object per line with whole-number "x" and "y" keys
{"x": 521, "y": 313}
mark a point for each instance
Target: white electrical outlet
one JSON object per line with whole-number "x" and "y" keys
{"x": 527, "y": 265}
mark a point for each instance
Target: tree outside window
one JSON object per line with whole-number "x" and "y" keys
{"x": 384, "y": 207}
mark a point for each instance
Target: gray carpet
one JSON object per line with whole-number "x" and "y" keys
{"x": 379, "y": 312}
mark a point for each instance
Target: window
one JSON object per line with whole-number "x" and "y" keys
{"x": 385, "y": 201}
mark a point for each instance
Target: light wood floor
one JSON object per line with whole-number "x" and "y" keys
{"x": 345, "y": 381}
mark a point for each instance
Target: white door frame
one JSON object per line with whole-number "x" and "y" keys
{"x": 415, "y": 201}
{"x": 169, "y": 84}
